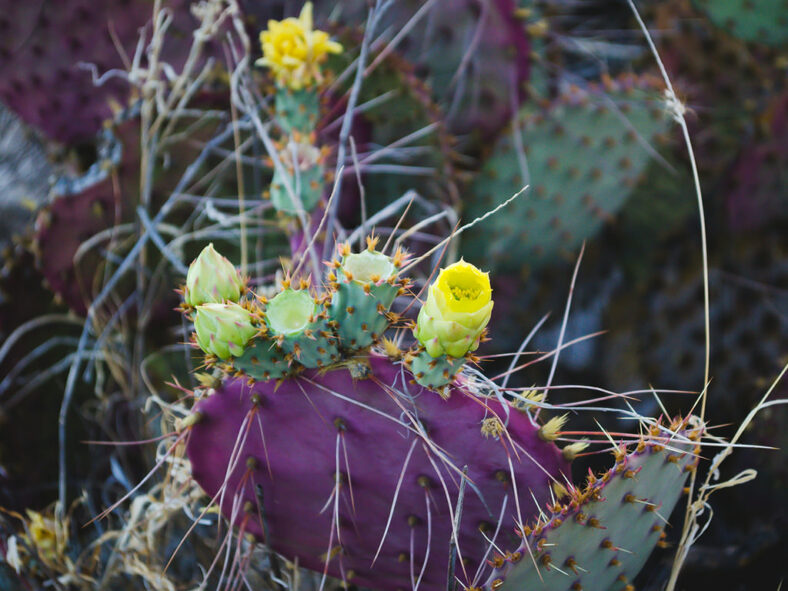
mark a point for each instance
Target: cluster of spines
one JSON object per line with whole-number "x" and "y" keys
{"x": 572, "y": 504}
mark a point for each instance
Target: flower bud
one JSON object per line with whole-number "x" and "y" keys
{"x": 223, "y": 329}
{"x": 457, "y": 310}
{"x": 212, "y": 279}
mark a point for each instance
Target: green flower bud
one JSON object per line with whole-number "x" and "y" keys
{"x": 212, "y": 279}
{"x": 223, "y": 329}
{"x": 457, "y": 310}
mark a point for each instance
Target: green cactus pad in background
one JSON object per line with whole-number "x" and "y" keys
{"x": 435, "y": 372}
{"x": 581, "y": 159}
{"x": 297, "y": 110}
{"x": 304, "y": 172}
{"x": 760, "y": 21}
{"x": 299, "y": 325}
{"x": 365, "y": 287}
{"x": 599, "y": 538}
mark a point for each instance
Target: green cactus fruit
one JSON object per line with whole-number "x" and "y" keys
{"x": 212, "y": 279}
{"x": 759, "y": 21}
{"x": 599, "y": 538}
{"x": 434, "y": 372}
{"x": 298, "y": 322}
{"x": 263, "y": 359}
{"x": 364, "y": 287}
{"x": 581, "y": 158}
{"x": 223, "y": 329}
{"x": 297, "y": 110}
{"x": 303, "y": 169}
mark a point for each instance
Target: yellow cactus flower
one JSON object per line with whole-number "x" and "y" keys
{"x": 457, "y": 310}
{"x": 44, "y": 534}
{"x": 294, "y": 50}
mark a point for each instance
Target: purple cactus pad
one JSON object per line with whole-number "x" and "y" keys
{"x": 304, "y": 431}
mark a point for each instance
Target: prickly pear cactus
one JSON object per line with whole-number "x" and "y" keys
{"x": 317, "y": 439}
{"x": 80, "y": 208}
{"x": 757, "y": 194}
{"x": 331, "y": 466}
{"x": 760, "y": 21}
{"x": 598, "y": 538}
{"x": 41, "y": 49}
{"x": 476, "y": 58}
{"x": 581, "y": 159}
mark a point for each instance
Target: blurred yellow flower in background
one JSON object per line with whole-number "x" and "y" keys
{"x": 294, "y": 50}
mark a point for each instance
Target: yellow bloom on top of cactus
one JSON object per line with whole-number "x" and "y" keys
{"x": 368, "y": 266}
{"x": 212, "y": 279}
{"x": 294, "y": 50}
{"x": 223, "y": 329}
{"x": 48, "y": 539}
{"x": 290, "y": 311}
{"x": 457, "y": 310}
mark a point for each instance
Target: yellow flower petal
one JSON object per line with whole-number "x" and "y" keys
{"x": 294, "y": 51}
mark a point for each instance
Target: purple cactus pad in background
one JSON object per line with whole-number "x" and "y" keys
{"x": 380, "y": 438}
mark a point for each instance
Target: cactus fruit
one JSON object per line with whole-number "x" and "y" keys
{"x": 435, "y": 372}
{"x": 297, "y": 110}
{"x": 299, "y": 323}
{"x": 598, "y": 539}
{"x": 581, "y": 158}
{"x": 758, "y": 21}
{"x": 263, "y": 360}
{"x": 365, "y": 285}
{"x": 212, "y": 279}
{"x": 319, "y": 461}
{"x": 223, "y": 329}
{"x": 298, "y": 185}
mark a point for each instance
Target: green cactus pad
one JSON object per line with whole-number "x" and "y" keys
{"x": 599, "y": 539}
{"x": 435, "y": 372}
{"x": 760, "y": 21}
{"x": 581, "y": 158}
{"x": 307, "y": 186}
{"x": 262, "y": 360}
{"x": 297, "y": 110}
{"x": 365, "y": 289}
{"x": 298, "y": 323}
